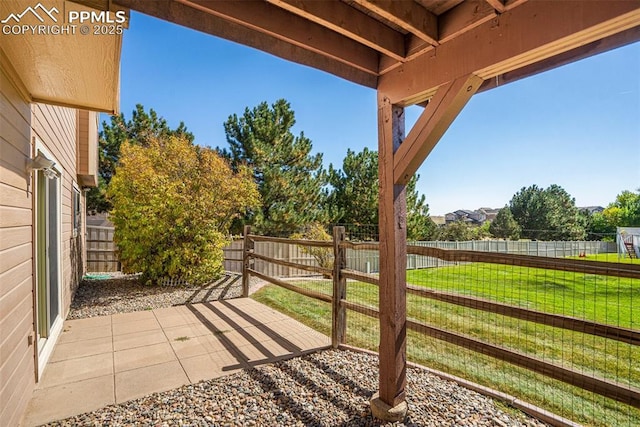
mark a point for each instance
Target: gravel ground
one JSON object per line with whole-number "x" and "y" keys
{"x": 329, "y": 388}
{"x": 125, "y": 293}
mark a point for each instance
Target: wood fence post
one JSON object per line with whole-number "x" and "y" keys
{"x": 247, "y": 251}
{"x": 338, "y": 312}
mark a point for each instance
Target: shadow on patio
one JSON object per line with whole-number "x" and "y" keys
{"x": 112, "y": 359}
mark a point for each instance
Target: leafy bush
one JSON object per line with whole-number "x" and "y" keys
{"x": 173, "y": 203}
{"x": 315, "y": 231}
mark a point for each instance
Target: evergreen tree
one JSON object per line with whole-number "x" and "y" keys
{"x": 547, "y": 214}
{"x": 420, "y": 226}
{"x": 289, "y": 177}
{"x": 353, "y": 196}
{"x": 504, "y": 225}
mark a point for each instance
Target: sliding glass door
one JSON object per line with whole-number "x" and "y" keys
{"x": 47, "y": 253}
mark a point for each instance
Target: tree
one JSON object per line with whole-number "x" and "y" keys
{"x": 456, "y": 231}
{"x": 140, "y": 129}
{"x": 420, "y": 226}
{"x": 173, "y": 203}
{"x": 504, "y": 226}
{"x": 547, "y": 214}
{"x": 288, "y": 176}
{"x": 623, "y": 212}
{"x": 353, "y": 196}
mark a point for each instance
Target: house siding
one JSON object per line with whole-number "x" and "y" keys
{"x": 55, "y": 127}
{"x": 16, "y": 270}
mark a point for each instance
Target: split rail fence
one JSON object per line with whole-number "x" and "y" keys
{"x": 621, "y": 389}
{"x": 103, "y": 257}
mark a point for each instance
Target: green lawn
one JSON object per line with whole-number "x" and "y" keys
{"x": 610, "y": 258}
{"x": 604, "y": 299}
{"x": 598, "y": 298}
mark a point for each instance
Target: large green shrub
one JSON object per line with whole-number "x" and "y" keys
{"x": 173, "y": 203}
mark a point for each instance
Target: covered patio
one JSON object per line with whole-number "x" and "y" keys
{"x": 107, "y": 360}
{"x": 435, "y": 54}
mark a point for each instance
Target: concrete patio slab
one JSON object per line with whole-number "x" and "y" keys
{"x": 201, "y": 367}
{"x": 112, "y": 359}
{"x": 136, "y": 326}
{"x": 140, "y": 357}
{"x": 149, "y": 379}
{"x": 65, "y": 400}
{"x": 82, "y": 348}
{"x": 82, "y": 368}
{"x": 74, "y": 333}
{"x": 138, "y": 339}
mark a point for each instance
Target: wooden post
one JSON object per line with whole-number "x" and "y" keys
{"x": 339, "y": 313}
{"x": 247, "y": 250}
{"x": 389, "y": 404}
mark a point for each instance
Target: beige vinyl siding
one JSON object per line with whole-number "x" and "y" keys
{"x": 56, "y": 128}
{"x": 16, "y": 280}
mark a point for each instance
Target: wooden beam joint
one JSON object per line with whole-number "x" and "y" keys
{"x": 434, "y": 121}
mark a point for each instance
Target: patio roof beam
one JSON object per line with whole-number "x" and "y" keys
{"x": 199, "y": 20}
{"x": 612, "y": 42}
{"x": 407, "y": 15}
{"x": 462, "y": 18}
{"x": 510, "y": 41}
{"x": 349, "y": 22}
{"x": 281, "y": 24}
{"x": 498, "y": 5}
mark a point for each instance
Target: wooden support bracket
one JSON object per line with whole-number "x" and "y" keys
{"x": 434, "y": 121}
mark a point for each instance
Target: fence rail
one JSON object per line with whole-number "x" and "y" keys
{"x": 615, "y": 390}
{"x": 102, "y": 253}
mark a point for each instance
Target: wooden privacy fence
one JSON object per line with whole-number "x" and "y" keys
{"x": 101, "y": 249}
{"x": 340, "y": 304}
{"x": 102, "y": 252}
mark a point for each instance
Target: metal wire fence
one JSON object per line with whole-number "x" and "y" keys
{"x": 560, "y": 325}
{"x": 561, "y": 333}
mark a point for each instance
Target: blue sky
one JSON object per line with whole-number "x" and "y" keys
{"x": 577, "y": 126}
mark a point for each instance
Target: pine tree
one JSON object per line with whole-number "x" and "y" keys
{"x": 504, "y": 225}
{"x": 289, "y": 177}
{"x": 353, "y": 197}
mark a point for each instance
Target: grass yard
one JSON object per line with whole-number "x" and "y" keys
{"x": 603, "y": 299}
{"x": 611, "y": 258}
{"x": 598, "y": 298}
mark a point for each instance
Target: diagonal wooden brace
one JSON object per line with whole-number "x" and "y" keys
{"x": 443, "y": 108}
